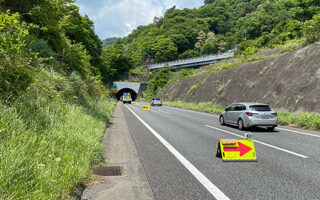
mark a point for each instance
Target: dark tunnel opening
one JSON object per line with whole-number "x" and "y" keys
{"x": 123, "y": 90}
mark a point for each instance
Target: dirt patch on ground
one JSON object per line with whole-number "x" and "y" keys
{"x": 288, "y": 81}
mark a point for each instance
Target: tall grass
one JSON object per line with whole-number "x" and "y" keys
{"x": 303, "y": 119}
{"x": 48, "y": 143}
{"x": 205, "y": 107}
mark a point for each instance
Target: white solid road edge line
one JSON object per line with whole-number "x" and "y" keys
{"x": 218, "y": 194}
{"x": 263, "y": 143}
{"x": 294, "y": 131}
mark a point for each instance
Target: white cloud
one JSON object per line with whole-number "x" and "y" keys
{"x": 119, "y": 17}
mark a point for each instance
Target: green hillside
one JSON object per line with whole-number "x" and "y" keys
{"x": 109, "y": 42}
{"x": 220, "y": 25}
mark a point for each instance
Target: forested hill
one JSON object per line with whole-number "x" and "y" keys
{"x": 220, "y": 25}
{"x": 109, "y": 42}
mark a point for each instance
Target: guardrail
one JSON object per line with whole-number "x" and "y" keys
{"x": 192, "y": 62}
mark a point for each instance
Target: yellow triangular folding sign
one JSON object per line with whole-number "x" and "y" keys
{"x": 236, "y": 150}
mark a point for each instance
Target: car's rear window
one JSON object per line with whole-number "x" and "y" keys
{"x": 260, "y": 108}
{"x": 157, "y": 99}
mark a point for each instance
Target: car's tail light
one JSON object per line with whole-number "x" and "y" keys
{"x": 274, "y": 115}
{"x": 249, "y": 114}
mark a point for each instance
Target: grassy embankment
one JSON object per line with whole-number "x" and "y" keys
{"x": 303, "y": 119}
{"x": 50, "y": 137}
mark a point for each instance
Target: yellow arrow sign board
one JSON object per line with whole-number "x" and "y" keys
{"x": 236, "y": 150}
{"x": 134, "y": 103}
{"x": 120, "y": 102}
{"x": 145, "y": 107}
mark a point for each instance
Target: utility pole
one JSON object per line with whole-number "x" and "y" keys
{"x": 245, "y": 34}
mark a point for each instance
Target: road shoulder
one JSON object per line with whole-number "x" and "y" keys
{"x": 120, "y": 150}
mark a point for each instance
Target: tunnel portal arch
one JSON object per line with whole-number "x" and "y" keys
{"x": 123, "y": 90}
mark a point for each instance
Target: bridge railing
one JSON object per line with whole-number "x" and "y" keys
{"x": 225, "y": 55}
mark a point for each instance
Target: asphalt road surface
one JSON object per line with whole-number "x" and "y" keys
{"x": 177, "y": 149}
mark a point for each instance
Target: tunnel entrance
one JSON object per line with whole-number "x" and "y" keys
{"x": 123, "y": 90}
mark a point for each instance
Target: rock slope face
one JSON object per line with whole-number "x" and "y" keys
{"x": 289, "y": 81}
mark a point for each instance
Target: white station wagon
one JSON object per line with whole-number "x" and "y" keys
{"x": 245, "y": 115}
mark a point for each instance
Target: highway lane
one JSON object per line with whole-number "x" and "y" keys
{"x": 306, "y": 145}
{"x": 278, "y": 174}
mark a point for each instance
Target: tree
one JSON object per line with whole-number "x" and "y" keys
{"x": 201, "y": 39}
{"x": 158, "y": 21}
{"x": 158, "y": 80}
{"x": 189, "y": 54}
{"x": 181, "y": 42}
{"x": 209, "y": 47}
{"x": 165, "y": 50}
{"x": 249, "y": 51}
{"x": 311, "y": 29}
{"x": 115, "y": 63}
{"x": 80, "y": 29}
{"x": 16, "y": 60}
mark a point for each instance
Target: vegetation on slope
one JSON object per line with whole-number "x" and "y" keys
{"x": 53, "y": 103}
{"x": 50, "y": 138}
{"x": 109, "y": 42}
{"x": 162, "y": 77}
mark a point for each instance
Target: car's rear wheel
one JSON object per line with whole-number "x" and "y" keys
{"x": 270, "y": 128}
{"x": 221, "y": 120}
{"x": 240, "y": 124}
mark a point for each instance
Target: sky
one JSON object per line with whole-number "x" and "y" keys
{"x": 117, "y": 18}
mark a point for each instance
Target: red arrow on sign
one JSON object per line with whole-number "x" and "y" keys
{"x": 241, "y": 147}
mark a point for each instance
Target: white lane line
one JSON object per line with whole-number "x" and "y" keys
{"x": 164, "y": 112}
{"x": 309, "y": 134}
{"x": 212, "y": 115}
{"x": 218, "y": 194}
{"x": 263, "y": 143}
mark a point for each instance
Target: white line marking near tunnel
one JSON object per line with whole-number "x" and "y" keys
{"x": 164, "y": 112}
{"x": 309, "y": 134}
{"x": 257, "y": 141}
{"x": 212, "y": 115}
{"x": 216, "y": 192}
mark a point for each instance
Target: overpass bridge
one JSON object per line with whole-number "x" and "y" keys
{"x": 193, "y": 62}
